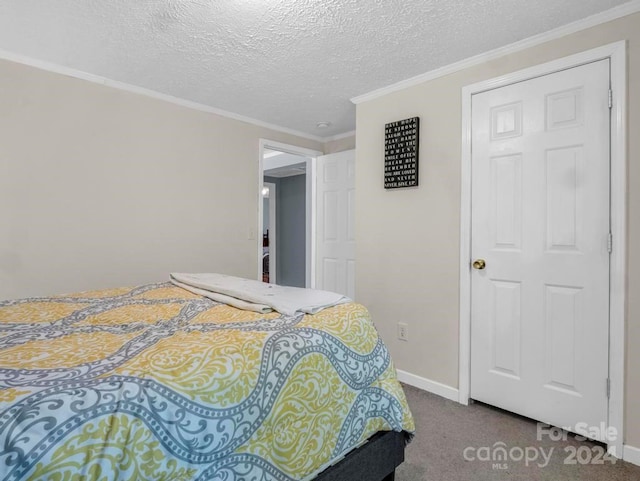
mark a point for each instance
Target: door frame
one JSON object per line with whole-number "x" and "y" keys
{"x": 310, "y": 204}
{"x": 616, "y": 53}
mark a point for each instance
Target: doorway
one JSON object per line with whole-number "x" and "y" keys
{"x": 553, "y": 322}
{"x": 286, "y": 245}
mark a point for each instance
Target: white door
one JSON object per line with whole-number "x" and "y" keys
{"x": 335, "y": 245}
{"x": 540, "y": 222}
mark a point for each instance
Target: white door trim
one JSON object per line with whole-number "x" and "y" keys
{"x": 616, "y": 52}
{"x": 310, "y": 255}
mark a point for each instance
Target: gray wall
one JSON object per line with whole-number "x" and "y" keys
{"x": 290, "y": 229}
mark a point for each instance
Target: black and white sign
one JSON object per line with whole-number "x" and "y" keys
{"x": 401, "y": 153}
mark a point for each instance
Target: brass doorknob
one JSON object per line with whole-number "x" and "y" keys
{"x": 479, "y": 264}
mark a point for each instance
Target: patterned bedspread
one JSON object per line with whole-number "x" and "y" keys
{"x": 156, "y": 383}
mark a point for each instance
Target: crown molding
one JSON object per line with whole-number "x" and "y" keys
{"x": 351, "y": 133}
{"x": 70, "y": 72}
{"x": 588, "y": 22}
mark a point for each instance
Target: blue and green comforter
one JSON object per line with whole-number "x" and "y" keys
{"x": 156, "y": 383}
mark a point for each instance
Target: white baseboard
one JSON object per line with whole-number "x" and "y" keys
{"x": 428, "y": 385}
{"x": 631, "y": 454}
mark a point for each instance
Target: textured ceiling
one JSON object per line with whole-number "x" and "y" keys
{"x": 287, "y": 62}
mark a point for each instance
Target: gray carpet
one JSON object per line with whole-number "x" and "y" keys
{"x": 444, "y": 429}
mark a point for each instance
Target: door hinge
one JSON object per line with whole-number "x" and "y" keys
{"x": 608, "y": 388}
{"x": 610, "y": 98}
{"x": 610, "y": 243}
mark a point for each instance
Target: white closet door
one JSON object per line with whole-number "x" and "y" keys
{"x": 540, "y": 222}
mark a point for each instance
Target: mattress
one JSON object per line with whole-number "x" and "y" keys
{"x": 157, "y": 383}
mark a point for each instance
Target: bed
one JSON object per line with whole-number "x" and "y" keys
{"x": 158, "y": 383}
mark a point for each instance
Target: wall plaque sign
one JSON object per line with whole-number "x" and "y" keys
{"x": 401, "y": 153}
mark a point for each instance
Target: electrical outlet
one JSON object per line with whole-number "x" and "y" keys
{"x": 403, "y": 331}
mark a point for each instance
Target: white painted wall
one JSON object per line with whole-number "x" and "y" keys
{"x": 339, "y": 145}
{"x": 101, "y": 187}
{"x": 408, "y": 263}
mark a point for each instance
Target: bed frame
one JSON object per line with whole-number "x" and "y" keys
{"x": 374, "y": 461}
